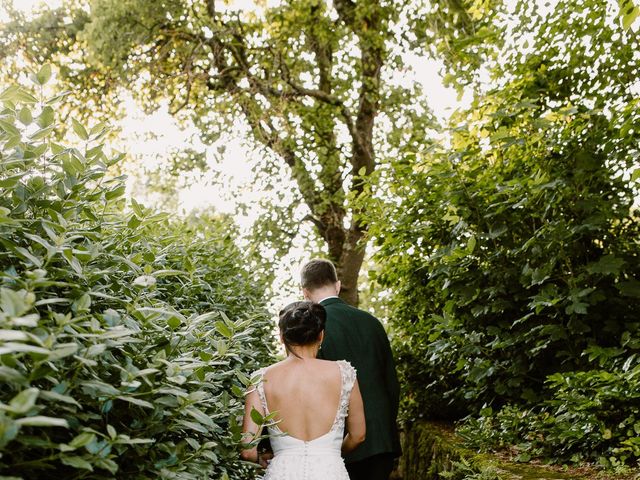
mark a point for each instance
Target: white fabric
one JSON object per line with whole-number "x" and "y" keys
{"x": 318, "y": 459}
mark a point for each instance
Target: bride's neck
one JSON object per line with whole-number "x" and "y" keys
{"x": 305, "y": 352}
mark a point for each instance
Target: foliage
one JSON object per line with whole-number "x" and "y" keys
{"x": 512, "y": 251}
{"x": 124, "y": 334}
{"x": 315, "y": 82}
{"x": 628, "y": 13}
{"x": 464, "y": 470}
{"x": 590, "y": 415}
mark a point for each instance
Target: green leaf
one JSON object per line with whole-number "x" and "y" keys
{"x": 24, "y": 115}
{"x": 629, "y": 288}
{"x": 58, "y": 397}
{"x": 46, "y": 117}
{"x": 63, "y": 350}
{"x": 77, "y": 462}
{"x": 134, "y": 222}
{"x": 43, "y": 75}
{"x": 107, "y": 464}
{"x": 138, "y": 209}
{"x": 42, "y": 421}
{"x": 257, "y": 417}
{"x": 85, "y": 438}
{"x": 471, "y": 244}
{"x": 42, "y": 133}
{"x": 9, "y": 128}
{"x": 116, "y": 192}
{"x": 8, "y": 374}
{"x": 145, "y": 281}
{"x": 135, "y": 401}
{"x": 199, "y": 415}
{"x": 13, "y": 347}
{"x": 82, "y": 304}
{"x": 24, "y": 401}
{"x": 223, "y": 329}
{"x": 79, "y": 129}
{"x": 606, "y": 265}
{"x": 58, "y": 97}
{"x": 629, "y": 16}
{"x": 174, "y": 323}
{"x": 16, "y": 336}
{"x": 9, "y": 182}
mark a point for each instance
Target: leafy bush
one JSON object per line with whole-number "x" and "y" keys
{"x": 508, "y": 278}
{"x": 511, "y": 250}
{"x": 514, "y": 249}
{"x": 592, "y": 415}
{"x": 124, "y": 335}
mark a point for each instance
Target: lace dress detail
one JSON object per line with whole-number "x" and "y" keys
{"x": 317, "y": 459}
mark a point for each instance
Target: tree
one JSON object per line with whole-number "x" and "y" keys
{"x": 315, "y": 82}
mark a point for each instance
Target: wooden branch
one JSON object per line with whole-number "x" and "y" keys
{"x": 346, "y": 11}
{"x": 322, "y": 51}
{"x": 233, "y": 63}
{"x": 187, "y": 70}
{"x": 316, "y": 222}
{"x": 367, "y": 30}
{"x": 211, "y": 9}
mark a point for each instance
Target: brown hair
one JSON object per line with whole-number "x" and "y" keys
{"x": 318, "y": 273}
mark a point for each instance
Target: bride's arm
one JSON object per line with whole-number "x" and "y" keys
{"x": 356, "y": 427}
{"x": 250, "y": 429}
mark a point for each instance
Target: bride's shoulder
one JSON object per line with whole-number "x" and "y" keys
{"x": 269, "y": 368}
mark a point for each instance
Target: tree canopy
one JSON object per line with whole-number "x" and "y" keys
{"x": 316, "y": 82}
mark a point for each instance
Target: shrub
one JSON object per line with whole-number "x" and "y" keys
{"x": 511, "y": 249}
{"x": 500, "y": 276}
{"x": 591, "y": 415}
{"x": 124, "y": 335}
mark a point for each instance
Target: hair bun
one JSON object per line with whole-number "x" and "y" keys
{"x": 301, "y": 323}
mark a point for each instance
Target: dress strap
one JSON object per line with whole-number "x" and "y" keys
{"x": 348, "y": 377}
{"x": 260, "y": 388}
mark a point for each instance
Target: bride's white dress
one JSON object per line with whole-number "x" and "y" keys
{"x": 318, "y": 459}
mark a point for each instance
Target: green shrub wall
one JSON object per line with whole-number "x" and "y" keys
{"x": 125, "y": 336}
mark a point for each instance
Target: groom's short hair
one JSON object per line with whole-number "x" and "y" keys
{"x": 318, "y": 273}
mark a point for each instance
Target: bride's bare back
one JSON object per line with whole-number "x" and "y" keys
{"x": 305, "y": 394}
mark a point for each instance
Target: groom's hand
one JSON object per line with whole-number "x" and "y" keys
{"x": 264, "y": 459}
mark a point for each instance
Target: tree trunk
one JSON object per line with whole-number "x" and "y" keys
{"x": 349, "y": 266}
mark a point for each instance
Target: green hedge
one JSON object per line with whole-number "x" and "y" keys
{"x": 125, "y": 335}
{"x": 511, "y": 249}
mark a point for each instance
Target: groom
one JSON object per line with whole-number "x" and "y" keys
{"x": 357, "y": 336}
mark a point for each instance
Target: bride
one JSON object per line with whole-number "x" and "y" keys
{"x": 314, "y": 402}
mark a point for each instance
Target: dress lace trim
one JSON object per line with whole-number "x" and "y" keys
{"x": 348, "y": 374}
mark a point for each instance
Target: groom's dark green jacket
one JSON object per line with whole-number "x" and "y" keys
{"x": 358, "y": 337}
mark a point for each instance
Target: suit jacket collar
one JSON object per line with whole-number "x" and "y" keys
{"x": 331, "y": 301}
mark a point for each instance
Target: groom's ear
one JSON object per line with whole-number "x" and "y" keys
{"x": 305, "y": 293}
{"x": 338, "y": 285}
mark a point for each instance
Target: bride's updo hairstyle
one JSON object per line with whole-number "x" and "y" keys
{"x": 301, "y": 323}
